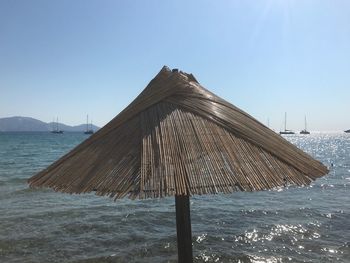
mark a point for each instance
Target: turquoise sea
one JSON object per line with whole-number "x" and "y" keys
{"x": 309, "y": 224}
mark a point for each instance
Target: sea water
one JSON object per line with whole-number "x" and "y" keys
{"x": 295, "y": 224}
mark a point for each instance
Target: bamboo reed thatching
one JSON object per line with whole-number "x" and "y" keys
{"x": 177, "y": 138}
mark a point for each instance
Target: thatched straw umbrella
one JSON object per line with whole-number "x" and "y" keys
{"x": 178, "y": 139}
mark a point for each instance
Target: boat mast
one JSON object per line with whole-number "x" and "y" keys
{"x": 285, "y": 121}
{"x": 87, "y": 122}
{"x": 305, "y": 124}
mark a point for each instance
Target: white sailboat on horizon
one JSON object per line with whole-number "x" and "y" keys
{"x": 88, "y": 131}
{"x": 55, "y": 128}
{"x": 285, "y": 126}
{"x": 305, "y": 131}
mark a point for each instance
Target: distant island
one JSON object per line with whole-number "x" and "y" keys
{"x": 22, "y": 124}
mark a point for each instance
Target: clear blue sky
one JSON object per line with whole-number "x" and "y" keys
{"x": 72, "y": 58}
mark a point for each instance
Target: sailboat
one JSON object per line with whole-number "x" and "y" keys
{"x": 305, "y": 131}
{"x": 55, "y": 127}
{"x": 88, "y": 131}
{"x": 285, "y": 126}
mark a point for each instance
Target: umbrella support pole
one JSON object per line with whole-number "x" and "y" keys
{"x": 183, "y": 227}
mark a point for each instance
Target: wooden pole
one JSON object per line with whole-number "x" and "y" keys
{"x": 183, "y": 227}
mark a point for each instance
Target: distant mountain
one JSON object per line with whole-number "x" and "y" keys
{"x": 29, "y": 124}
{"x": 22, "y": 124}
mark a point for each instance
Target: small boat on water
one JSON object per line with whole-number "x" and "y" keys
{"x": 305, "y": 131}
{"x": 285, "y": 126}
{"x": 55, "y": 128}
{"x": 58, "y": 131}
{"x": 347, "y": 131}
{"x": 88, "y": 131}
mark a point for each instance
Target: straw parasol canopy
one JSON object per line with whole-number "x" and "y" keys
{"x": 177, "y": 138}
